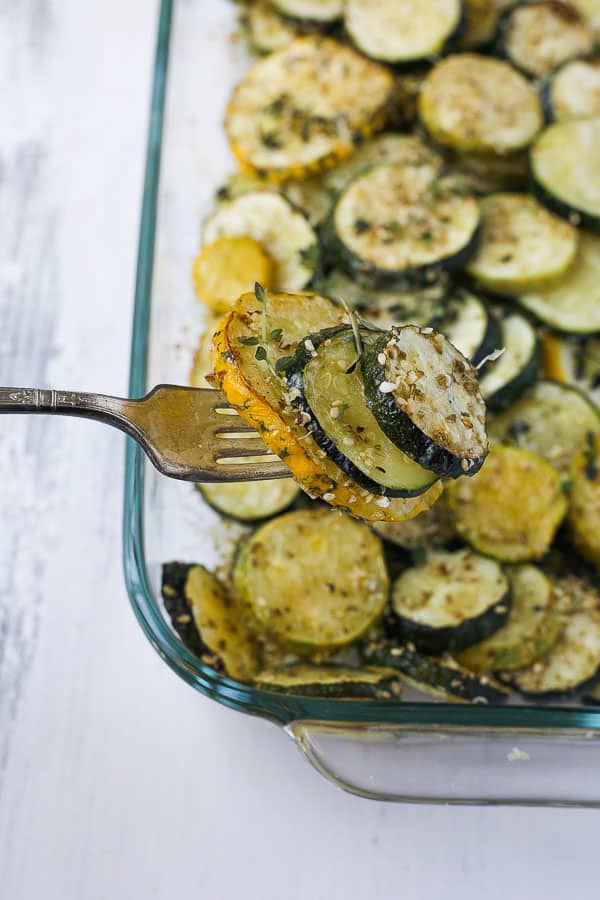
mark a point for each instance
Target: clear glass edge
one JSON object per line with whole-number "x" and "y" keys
{"x": 278, "y": 708}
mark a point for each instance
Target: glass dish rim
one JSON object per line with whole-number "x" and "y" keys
{"x": 276, "y": 707}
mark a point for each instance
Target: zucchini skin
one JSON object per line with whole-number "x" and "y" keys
{"x": 560, "y": 207}
{"x": 453, "y": 638}
{"x": 400, "y": 428}
{"x": 295, "y": 379}
{"x": 434, "y": 673}
{"x": 174, "y": 577}
{"x": 385, "y": 687}
{"x": 491, "y": 338}
{"x": 508, "y": 393}
{"x": 245, "y": 519}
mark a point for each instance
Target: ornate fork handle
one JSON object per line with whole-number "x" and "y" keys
{"x": 111, "y": 410}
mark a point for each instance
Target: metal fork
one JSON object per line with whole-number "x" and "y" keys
{"x": 188, "y": 433}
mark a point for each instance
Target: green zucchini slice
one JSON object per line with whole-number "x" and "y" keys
{"x": 425, "y": 397}
{"x": 321, "y": 11}
{"x": 331, "y": 681}
{"x": 310, "y": 195}
{"x": 417, "y": 306}
{"x": 401, "y": 31}
{"x": 313, "y": 579}
{"x": 565, "y": 170}
{"x": 583, "y": 516}
{"x": 266, "y": 30}
{"x": 475, "y": 104}
{"x": 574, "y": 90}
{"x": 469, "y": 324}
{"x": 536, "y": 37}
{"x": 482, "y": 20}
{"x": 572, "y": 665}
{"x": 450, "y": 601}
{"x": 431, "y": 528}
{"x": 522, "y": 246}
{"x": 573, "y": 303}
{"x": 208, "y": 622}
{"x": 551, "y": 419}
{"x": 441, "y": 678}
{"x": 391, "y": 147}
{"x": 490, "y": 174}
{"x": 396, "y": 222}
{"x": 250, "y": 501}
{"x": 284, "y": 232}
{"x": 302, "y": 108}
{"x": 508, "y": 376}
{"x": 333, "y": 400}
{"x": 532, "y": 629}
{"x": 512, "y": 508}
{"x": 575, "y": 361}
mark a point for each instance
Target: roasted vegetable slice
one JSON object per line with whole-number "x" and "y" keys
{"x": 304, "y": 107}
{"x": 273, "y": 223}
{"x": 488, "y": 173}
{"x": 482, "y": 20}
{"x": 574, "y": 360}
{"x": 329, "y": 681}
{"x": 450, "y": 601}
{"x": 533, "y": 626}
{"x": 314, "y": 579}
{"x": 400, "y": 31}
{"x": 574, "y": 90}
{"x": 522, "y": 246}
{"x": 319, "y": 11}
{"x": 538, "y": 36}
{"x": 396, "y": 222}
{"x": 572, "y": 665}
{"x": 425, "y": 397}
{"x": 565, "y": 170}
{"x": 475, "y": 104}
{"x": 507, "y": 377}
{"x": 442, "y": 678}
{"x": 249, "y": 501}
{"x": 330, "y": 383}
{"x": 207, "y": 620}
{"x": 227, "y": 267}
{"x": 252, "y": 384}
{"x": 266, "y": 29}
{"x": 551, "y": 419}
{"x": 312, "y": 196}
{"x": 573, "y": 303}
{"x": 584, "y": 502}
{"x": 469, "y": 325}
{"x": 512, "y": 507}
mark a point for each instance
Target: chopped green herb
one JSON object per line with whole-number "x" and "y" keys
{"x": 591, "y": 466}
{"x": 259, "y": 292}
{"x": 341, "y": 411}
{"x": 248, "y": 341}
{"x": 271, "y": 140}
{"x": 361, "y": 225}
{"x": 394, "y": 227}
{"x": 275, "y": 334}
{"x": 261, "y": 353}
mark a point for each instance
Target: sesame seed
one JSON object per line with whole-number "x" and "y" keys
{"x": 328, "y": 496}
{"x": 383, "y": 502}
{"x": 387, "y": 387}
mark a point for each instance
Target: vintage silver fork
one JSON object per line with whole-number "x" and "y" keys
{"x": 188, "y": 433}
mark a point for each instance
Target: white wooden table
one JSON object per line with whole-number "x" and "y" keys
{"x": 117, "y": 780}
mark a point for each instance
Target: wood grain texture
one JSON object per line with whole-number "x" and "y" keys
{"x": 116, "y": 780}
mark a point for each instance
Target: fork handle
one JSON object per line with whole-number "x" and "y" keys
{"x": 110, "y": 410}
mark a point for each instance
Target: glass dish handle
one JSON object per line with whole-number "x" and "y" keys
{"x": 427, "y": 764}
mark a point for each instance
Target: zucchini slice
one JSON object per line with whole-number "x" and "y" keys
{"x": 507, "y": 377}
{"x": 551, "y": 419}
{"x": 391, "y": 147}
{"x": 532, "y": 629}
{"x": 206, "y": 619}
{"x": 249, "y": 501}
{"x": 227, "y": 267}
{"x": 572, "y": 665}
{"x": 470, "y": 326}
{"x": 271, "y": 221}
{"x": 431, "y": 528}
{"x": 401, "y": 31}
{"x": 312, "y": 196}
{"x": 512, "y": 507}
{"x": 489, "y": 174}
{"x": 450, "y": 601}
{"x": 329, "y": 681}
{"x": 584, "y": 502}
{"x": 426, "y": 398}
{"x": 574, "y": 90}
{"x": 397, "y": 222}
{"x": 565, "y": 170}
{"x": 256, "y": 388}
{"x": 574, "y": 360}
{"x": 266, "y": 30}
{"x": 482, "y": 20}
{"x": 537, "y": 37}
{"x": 321, "y": 11}
{"x": 441, "y": 678}
{"x": 325, "y": 373}
{"x": 313, "y": 579}
{"x": 418, "y": 306}
{"x": 479, "y": 105}
{"x": 573, "y": 303}
{"x": 304, "y": 107}
{"x": 523, "y": 246}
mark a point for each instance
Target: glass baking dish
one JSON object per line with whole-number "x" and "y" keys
{"x": 398, "y": 750}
